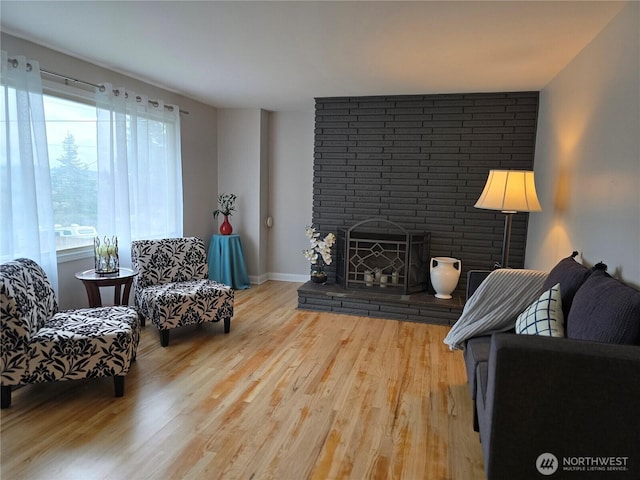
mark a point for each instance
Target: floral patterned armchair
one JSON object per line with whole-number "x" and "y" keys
{"x": 41, "y": 344}
{"x": 172, "y": 288}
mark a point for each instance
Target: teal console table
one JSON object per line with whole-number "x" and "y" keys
{"x": 226, "y": 261}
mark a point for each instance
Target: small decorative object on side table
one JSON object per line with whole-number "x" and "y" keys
{"x": 226, "y": 201}
{"x": 319, "y": 254}
{"x": 106, "y": 255}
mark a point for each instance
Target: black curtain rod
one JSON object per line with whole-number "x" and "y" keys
{"x": 67, "y": 79}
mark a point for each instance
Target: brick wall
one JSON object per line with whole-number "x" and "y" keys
{"x": 422, "y": 161}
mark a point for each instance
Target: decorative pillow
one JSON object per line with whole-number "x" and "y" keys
{"x": 605, "y": 310}
{"x": 495, "y": 305}
{"x": 570, "y": 275}
{"x": 544, "y": 316}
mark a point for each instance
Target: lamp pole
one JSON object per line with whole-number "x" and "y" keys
{"x": 508, "y": 217}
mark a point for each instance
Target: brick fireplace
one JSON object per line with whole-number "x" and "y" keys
{"x": 421, "y": 161}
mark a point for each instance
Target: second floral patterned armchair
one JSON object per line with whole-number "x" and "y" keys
{"x": 172, "y": 288}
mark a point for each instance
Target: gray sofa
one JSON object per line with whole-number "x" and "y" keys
{"x": 562, "y": 407}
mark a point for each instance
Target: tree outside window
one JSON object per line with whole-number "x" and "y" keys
{"x": 71, "y": 136}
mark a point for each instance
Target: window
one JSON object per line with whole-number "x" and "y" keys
{"x": 149, "y": 177}
{"x": 72, "y": 148}
{"x": 114, "y": 168}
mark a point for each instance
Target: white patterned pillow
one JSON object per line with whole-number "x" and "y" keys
{"x": 544, "y": 316}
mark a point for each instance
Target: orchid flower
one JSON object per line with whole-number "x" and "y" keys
{"x": 320, "y": 250}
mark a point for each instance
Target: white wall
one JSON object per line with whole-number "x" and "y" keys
{"x": 199, "y": 153}
{"x": 243, "y": 170}
{"x": 266, "y": 158}
{"x": 290, "y": 193}
{"x": 588, "y": 156}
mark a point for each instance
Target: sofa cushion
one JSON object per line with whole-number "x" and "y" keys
{"x": 570, "y": 275}
{"x": 605, "y": 310}
{"x": 476, "y": 351}
{"x": 172, "y": 305}
{"x": 26, "y": 285}
{"x": 168, "y": 260}
{"x": 84, "y": 343}
{"x": 544, "y": 316}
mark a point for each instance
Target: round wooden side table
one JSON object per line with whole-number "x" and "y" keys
{"x": 93, "y": 281}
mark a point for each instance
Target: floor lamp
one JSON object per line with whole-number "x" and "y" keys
{"x": 510, "y": 191}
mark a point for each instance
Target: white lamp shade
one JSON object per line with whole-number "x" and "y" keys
{"x": 509, "y": 191}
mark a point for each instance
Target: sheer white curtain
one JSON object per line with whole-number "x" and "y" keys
{"x": 139, "y": 168}
{"x": 25, "y": 180}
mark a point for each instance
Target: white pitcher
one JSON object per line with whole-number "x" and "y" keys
{"x": 445, "y": 273}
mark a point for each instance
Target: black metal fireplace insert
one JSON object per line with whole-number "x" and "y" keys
{"x": 379, "y": 255}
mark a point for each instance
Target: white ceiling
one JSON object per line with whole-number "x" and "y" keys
{"x": 280, "y": 55}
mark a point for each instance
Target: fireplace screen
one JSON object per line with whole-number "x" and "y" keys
{"x": 380, "y": 255}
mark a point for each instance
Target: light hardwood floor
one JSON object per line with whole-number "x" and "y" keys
{"x": 288, "y": 394}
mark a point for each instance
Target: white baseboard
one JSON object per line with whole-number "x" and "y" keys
{"x": 288, "y": 277}
{"x": 280, "y": 277}
{"x": 258, "y": 279}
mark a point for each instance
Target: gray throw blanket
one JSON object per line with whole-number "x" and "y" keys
{"x": 496, "y": 304}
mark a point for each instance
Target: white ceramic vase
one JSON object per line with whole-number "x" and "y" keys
{"x": 445, "y": 273}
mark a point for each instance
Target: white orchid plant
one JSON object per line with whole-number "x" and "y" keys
{"x": 319, "y": 253}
